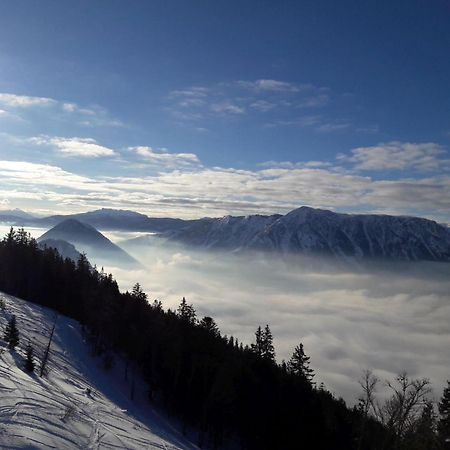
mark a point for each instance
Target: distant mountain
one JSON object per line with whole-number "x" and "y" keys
{"x": 64, "y": 248}
{"x": 84, "y": 237}
{"x": 224, "y": 233}
{"x": 315, "y": 231}
{"x": 17, "y": 217}
{"x": 16, "y": 212}
{"x": 118, "y": 219}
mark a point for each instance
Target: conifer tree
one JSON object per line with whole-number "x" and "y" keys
{"x": 299, "y": 364}
{"x": 157, "y": 305}
{"x": 210, "y": 325}
{"x": 187, "y": 312}
{"x": 257, "y": 347}
{"x": 29, "y": 363}
{"x": 444, "y": 420}
{"x": 268, "y": 348}
{"x": 138, "y": 293}
{"x": 263, "y": 345}
{"x": 12, "y": 333}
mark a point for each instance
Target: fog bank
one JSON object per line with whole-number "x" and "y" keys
{"x": 389, "y": 317}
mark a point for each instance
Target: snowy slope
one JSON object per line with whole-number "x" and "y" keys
{"x": 54, "y": 412}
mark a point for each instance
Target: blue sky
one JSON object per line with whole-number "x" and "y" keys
{"x": 188, "y": 109}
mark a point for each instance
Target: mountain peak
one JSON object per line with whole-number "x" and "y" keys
{"x": 86, "y": 238}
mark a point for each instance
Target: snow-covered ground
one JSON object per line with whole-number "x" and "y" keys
{"x": 55, "y": 412}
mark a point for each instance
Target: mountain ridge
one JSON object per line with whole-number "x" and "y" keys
{"x": 317, "y": 231}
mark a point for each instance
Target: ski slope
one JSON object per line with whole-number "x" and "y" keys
{"x": 56, "y": 412}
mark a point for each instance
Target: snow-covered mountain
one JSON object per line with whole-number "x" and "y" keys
{"x": 227, "y": 232}
{"x": 85, "y": 238}
{"x": 16, "y": 212}
{"x": 314, "y": 231}
{"x": 56, "y": 411}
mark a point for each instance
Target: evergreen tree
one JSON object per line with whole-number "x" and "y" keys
{"x": 138, "y": 293}
{"x": 268, "y": 348}
{"x": 29, "y": 363}
{"x": 210, "y": 325}
{"x": 157, "y": 305}
{"x": 11, "y": 335}
{"x": 187, "y": 312}
{"x": 83, "y": 265}
{"x": 299, "y": 364}
{"x": 444, "y": 420}
{"x": 257, "y": 347}
{"x": 263, "y": 345}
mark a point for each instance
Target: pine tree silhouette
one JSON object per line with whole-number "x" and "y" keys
{"x": 257, "y": 347}
{"x": 263, "y": 345}
{"x": 210, "y": 325}
{"x": 268, "y": 348}
{"x": 299, "y": 364}
{"x": 187, "y": 312}
{"x": 11, "y": 335}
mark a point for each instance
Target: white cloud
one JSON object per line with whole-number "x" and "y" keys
{"x": 227, "y": 107}
{"x": 273, "y": 85}
{"x": 399, "y": 156}
{"x": 314, "y": 101}
{"x": 194, "y": 91}
{"x": 164, "y": 158}
{"x": 183, "y": 187}
{"x": 316, "y": 122}
{"x": 83, "y": 147}
{"x": 19, "y": 106}
{"x": 24, "y": 101}
{"x": 22, "y": 174}
{"x": 262, "y": 105}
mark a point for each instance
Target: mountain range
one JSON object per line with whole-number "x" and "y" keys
{"x": 314, "y": 231}
{"x": 304, "y": 230}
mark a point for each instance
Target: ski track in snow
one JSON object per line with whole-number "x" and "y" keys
{"x": 54, "y": 412}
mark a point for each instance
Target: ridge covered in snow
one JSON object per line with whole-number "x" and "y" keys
{"x": 57, "y": 411}
{"x": 314, "y": 231}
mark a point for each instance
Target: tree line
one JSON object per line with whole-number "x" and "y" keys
{"x": 229, "y": 394}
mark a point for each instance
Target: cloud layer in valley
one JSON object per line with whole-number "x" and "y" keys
{"x": 387, "y": 319}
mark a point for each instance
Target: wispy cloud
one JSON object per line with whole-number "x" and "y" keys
{"x": 399, "y": 156}
{"x": 24, "y": 101}
{"x": 165, "y": 159}
{"x": 317, "y": 123}
{"x": 273, "y": 85}
{"x": 227, "y": 107}
{"x": 21, "y": 106}
{"x": 75, "y": 146}
{"x": 245, "y": 99}
{"x": 23, "y": 174}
